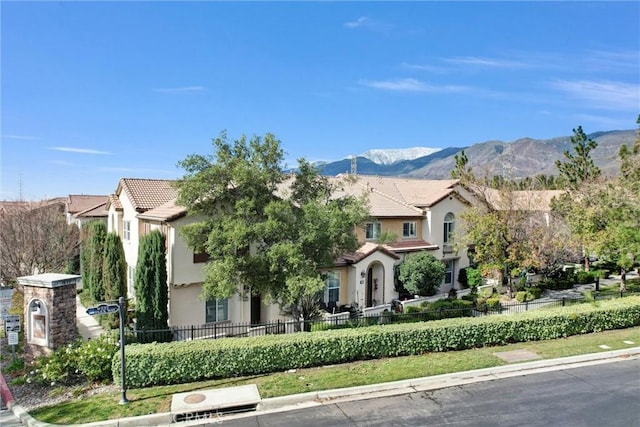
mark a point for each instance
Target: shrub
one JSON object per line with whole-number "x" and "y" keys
{"x": 486, "y": 292}
{"x": 179, "y": 362}
{"x": 91, "y": 360}
{"x": 583, "y": 277}
{"x": 494, "y": 304}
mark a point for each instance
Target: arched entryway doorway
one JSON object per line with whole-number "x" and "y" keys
{"x": 374, "y": 285}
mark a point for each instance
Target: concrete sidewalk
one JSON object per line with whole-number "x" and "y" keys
{"x": 88, "y": 326}
{"x": 305, "y": 400}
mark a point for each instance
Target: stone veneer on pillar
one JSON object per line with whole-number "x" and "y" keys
{"x": 49, "y": 311}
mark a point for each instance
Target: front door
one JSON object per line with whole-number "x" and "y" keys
{"x": 256, "y": 303}
{"x": 369, "y": 289}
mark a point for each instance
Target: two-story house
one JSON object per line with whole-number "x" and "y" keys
{"x": 406, "y": 215}
{"x": 132, "y": 197}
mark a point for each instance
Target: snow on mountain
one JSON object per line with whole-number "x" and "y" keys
{"x": 391, "y": 155}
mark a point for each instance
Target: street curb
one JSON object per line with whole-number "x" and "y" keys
{"x": 442, "y": 381}
{"x": 304, "y": 400}
{"x": 6, "y": 399}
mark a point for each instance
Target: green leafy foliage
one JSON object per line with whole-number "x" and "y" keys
{"x": 179, "y": 362}
{"x": 579, "y": 166}
{"x": 421, "y": 273}
{"x": 265, "y": 231}
{"x": 114, "y": 274}
{"x": 76, "y": 361}
{"x": 96, "y": 239}
{"x": 151, "y": 288}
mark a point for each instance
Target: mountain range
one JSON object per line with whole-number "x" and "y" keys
{"x": 516, "y": 159}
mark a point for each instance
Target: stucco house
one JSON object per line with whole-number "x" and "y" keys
{"x": 406, "y": 215}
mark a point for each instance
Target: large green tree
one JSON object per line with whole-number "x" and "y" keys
{"x": 421, "y": 273}
{"x": 114, "y": 273}
{"x": 266, "y": 232}
{"x": 605, "y": 214}
{"x": 578, "y": 167}
{"x": 152, "y": 311}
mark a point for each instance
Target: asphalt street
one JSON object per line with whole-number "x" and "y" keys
{"x": 600, "y": 395}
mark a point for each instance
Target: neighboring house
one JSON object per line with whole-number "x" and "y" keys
{"x": 82, "y": 208}
{"x": 536, "y": 202}
{"x": 406, "y": 215}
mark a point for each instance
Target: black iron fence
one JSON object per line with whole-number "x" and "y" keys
{"x": 340, "y": 321}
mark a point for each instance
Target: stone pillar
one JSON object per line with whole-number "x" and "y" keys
{"x": 49, "y": 311}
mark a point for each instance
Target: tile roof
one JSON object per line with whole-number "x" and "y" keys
{"x": 363, "y": 252}
{"x": 168, "y": 211}
{"x": 115, "y": 202}
{"x": 410, "y": 245}
{"x": 80, "y": 202}
{"x": 99, "y": 210}
{"x": 146, "y": 194}
{"x": 412, "y": 191}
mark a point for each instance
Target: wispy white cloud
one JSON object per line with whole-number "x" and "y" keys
{"x": 364, "y": 22}
{"x": 424, "y": 67}
{"x": 612, "y": 60}
{"x": 79, "y": 150}
{"x": 360, "y": 22}
{"x": 411, "y": 85}
{"x": 22, "y": 137}
{"x": 602, "y": 94}
{"x": 486, "y": 62}
{"x": 182, "y": 89}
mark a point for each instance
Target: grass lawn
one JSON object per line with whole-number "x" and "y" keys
{"x": 633, "y": 286}
{"x": 158, "y": 399}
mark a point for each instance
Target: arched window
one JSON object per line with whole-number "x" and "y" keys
{"x": 449, "y": 227}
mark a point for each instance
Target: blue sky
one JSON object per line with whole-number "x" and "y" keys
{"x": 96, "y": 91}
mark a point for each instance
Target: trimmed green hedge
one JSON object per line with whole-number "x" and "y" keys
{"x": 180, "y": 362}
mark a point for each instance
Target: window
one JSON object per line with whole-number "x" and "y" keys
{"x": 332, "y": 281}
{"x": 200, "y": 257}
{"x": 131, "y": 277}
{"x": 409, "y": 229}
{"x": 449, "y": 227}
{"x": 216, "y": 310}
{"x": 372, "y": 230}
{"x": 448, "y": 272}
{"x": 126, "y": 231}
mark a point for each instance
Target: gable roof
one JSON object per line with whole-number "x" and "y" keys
{"x": 96, "y": 211}
{"x": 363, "y": 252}
{"x": 167, "y": 212}
{"x": 146, "y": 194}
{"x": 79, "y": 202}
{"x": 410, "y": 193}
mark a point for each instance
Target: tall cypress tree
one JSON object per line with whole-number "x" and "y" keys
{"x": 114, "y": 272}
{"x": 151, "y": 287}
{"x": 161, "y": 292}
{"x": 97, "y": 236}
{"x": 85, "y": 257}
